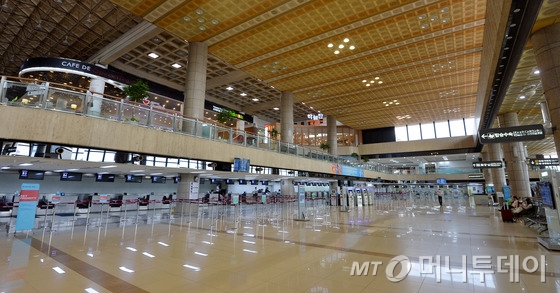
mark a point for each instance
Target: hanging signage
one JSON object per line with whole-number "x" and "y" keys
{"x": 489, "y": 164}
{"x": 543, "y": 162}
{"x": 193, "y": 190}
{"x": 512, "y": 134}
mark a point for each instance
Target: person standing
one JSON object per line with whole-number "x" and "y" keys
{"x": 440, "y": 197}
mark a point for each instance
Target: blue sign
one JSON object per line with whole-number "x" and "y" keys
{"x": 507, "y": 192}
{"x": 28, "y": 198}
{"x": 301, "y": 193}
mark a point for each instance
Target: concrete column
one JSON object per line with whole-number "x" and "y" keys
{"x": 287, "y": 117}
{"x": 97, "y": 89}
{"x": 546, "y": 45}
{"x": 498, "y": 174}
{"x": 287, "y": 187}
{"x": 487, "y": 171}
{"x": 187, "y": 190}
{"x": 331, "y": 134}
{"x": 514, "y": 154}
{"x": 195, "y": 88}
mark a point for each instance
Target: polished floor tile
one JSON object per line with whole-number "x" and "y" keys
{"x": 263, "y": 249}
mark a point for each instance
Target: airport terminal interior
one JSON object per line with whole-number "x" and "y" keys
{"x": 279, "y": 146}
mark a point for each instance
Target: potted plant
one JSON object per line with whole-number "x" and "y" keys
{"x": 136, "y": 92}
{"x": 325, "y": 146}
{"x": 365, "y": 159}
{"x": 225, "y": 116}
{"x": 274, "y": 133}
{"x": 355, "y": 156}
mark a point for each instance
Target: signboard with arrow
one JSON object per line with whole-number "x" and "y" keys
{"x": 512, "y": 134}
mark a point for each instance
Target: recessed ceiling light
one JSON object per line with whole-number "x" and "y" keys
{"x": 352, "y": 47}
{"x": 214, "y": 21}
{"x": 176, "y": 65}
{"x": 5, "y": 168}
{"x": 276, "y": 108}
{"x": 336, "y": 52}
{"x": 25, "y": 164}
{"x": 346, "y": 40}
{"x": 153, "y": 55}
{"x": 522, "y": 97}
{"x": 202, "y": 28}
{"x": 186, "y": 18}
{"x": 536, "y": 72}
{"x": 242, "y": 94}
{"x": 108, "y": 166}
{"x": 229, "y": 88}
{"x": 199, "y": 11}
{"x": 341, "y": 46}
{"x": 255, "y": 99}
{"x": 330, "y": 45}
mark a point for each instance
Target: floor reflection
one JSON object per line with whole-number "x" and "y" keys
{"x": 261, "y": 248}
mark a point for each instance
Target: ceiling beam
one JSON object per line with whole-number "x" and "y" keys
{"x": 125, "y": 43}
{"x": 226, "y": 79}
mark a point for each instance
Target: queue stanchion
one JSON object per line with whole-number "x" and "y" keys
{"x": 123, "y": 220}
{"x": 88, "y": 203}
{"x": 169, "y": 207}
{"x": 74, "y": 220}
{"x": 106, "y": 218}
{"x": 153, "y": 214}
{"x": 99, "y": 225}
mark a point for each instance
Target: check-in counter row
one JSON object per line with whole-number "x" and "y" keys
{"x": 82, "y": 203}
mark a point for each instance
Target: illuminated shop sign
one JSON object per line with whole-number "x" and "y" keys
{"x": 47, "y": 63}
{"x": 315, "y": 117}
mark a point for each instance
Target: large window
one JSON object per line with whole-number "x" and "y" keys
{"x": 470, "y": 126}
{"x": 442, "y": 129}
{"x": 457, "y": 128}
{"x": 428, "y": 131}
{"x": 400, "y": 133}
{"x": 414, "y": 132}
{"x": 431, "y": 130}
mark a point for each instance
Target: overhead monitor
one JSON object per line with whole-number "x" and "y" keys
{"x": 105, "y": 178}
{"x": 159, "y": 179}
{"x": 133, "y": 179}
{"x": 31, "y": 174}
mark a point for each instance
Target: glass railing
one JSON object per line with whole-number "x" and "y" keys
{"x": 45, "y": 96}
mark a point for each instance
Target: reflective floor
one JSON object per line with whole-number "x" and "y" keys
{"x": 272, "y": 248}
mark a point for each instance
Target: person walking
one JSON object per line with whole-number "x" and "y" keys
{"x": 440, "y": 197}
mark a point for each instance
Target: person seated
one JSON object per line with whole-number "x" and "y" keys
{"x": 523, "y": 206}
{"x": 528, "y": 204}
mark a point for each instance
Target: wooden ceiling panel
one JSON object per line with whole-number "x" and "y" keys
{"x": 427, "y": 53}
